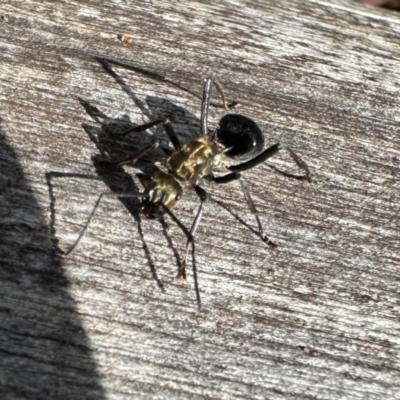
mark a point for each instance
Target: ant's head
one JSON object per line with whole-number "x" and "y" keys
{"x": 152, "y": 210}
{"x": 240, "y": 135}
{"x": 162, "y": 191}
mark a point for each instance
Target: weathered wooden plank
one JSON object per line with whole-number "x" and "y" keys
{"x": 317, "y": 318}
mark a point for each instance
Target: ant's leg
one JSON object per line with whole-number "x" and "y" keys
{"x": 269, "y": 153}
{"x": 169, "y": 130}
{"x": 168, "y": 151}
{"x": 300, "y": 163}
{"x": 254, "y": 211}
{"x": 250, "y": 203}
{"x": 205, "y": 104}
{"x": 190, "y": 240}
{"x": 226, "y": 178}
{"x": 139, "y": 154}
{"x": 206, "y": 101}
{"x": 92, "y": 214}
{"x": 141, "y": 128}
{"x": 132, "y": 159}
{"x": 227, "y": 106}
{"x": 256, "y": 160}
{"x": 203, "y": 196}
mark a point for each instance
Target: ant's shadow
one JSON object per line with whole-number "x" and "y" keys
{"x": 113, "y": 146}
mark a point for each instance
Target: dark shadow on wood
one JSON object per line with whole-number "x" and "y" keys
{"x": 234, "y": 215}
{"x": 287, "y": 174}
{"x": 43, "y": 347}
{"x": 49, "y": 179}
{"x": 112, "y": 146}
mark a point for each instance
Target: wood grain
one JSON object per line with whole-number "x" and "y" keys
{"x": 317, "y": 318}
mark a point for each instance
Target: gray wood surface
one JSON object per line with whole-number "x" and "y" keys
{"x": 318, "y": 318}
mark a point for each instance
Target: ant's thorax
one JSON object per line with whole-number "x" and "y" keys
{"x": 195, "y": 160}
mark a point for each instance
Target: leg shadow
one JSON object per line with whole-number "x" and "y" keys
{"x": 44, "y": 351}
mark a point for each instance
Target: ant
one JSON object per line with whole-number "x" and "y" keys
{"x": 235, "y": 137}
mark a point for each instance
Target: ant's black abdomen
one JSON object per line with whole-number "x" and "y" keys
{"x": 240, "y": 134}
